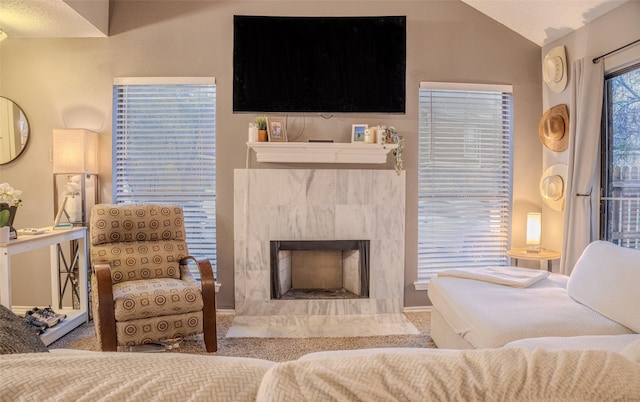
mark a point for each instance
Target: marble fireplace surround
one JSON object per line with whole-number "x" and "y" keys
{"x": 318, "y": 204}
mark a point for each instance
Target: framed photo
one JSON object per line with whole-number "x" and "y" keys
{"x": 357, "y": 132}
{"x": 276, "y": 129}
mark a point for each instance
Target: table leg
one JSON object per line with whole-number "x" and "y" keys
{"x": 83, "y": 275}
{"x": 55, "y": 276}
{"x": 5, "y": 280}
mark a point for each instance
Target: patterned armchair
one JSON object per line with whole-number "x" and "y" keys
{"x": 142, "y": 291}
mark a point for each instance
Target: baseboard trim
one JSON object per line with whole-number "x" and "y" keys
{"x": 412, "y": 309}
{"x": 417, "y": 309}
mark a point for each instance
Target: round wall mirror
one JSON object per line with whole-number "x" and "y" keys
{"x": 14, "y": 131}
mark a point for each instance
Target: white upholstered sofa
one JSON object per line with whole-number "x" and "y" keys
{"x": 599, "y": 304}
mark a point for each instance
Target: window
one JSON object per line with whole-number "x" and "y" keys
{"x": 464, "y": 176}
{"x": 620, "y": 219}
{"x": 164, "y": 151}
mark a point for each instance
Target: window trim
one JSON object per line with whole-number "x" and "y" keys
{"x": 461, "y": 86}
{"x": 164, "y": 81}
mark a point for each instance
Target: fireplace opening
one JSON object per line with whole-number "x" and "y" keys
{"x": 331, "y": 269}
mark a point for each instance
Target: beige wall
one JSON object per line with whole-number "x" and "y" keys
{"x": 67, "y": 83}
{"x": 609, "y": 32}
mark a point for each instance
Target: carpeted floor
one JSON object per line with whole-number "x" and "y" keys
{"x": 275, "y": 349}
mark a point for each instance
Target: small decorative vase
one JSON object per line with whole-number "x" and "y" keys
{"x": 262, "y": 136}
{"x": 253, "y": 134}
{"x": 4, "y": 234}
{"x": 12, "y": 215}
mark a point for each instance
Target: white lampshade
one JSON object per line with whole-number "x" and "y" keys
{"x": 534, "y": 230}
{"x": 75, "y": 151}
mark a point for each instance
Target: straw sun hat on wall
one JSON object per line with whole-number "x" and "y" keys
{"x": 554, "y": 128}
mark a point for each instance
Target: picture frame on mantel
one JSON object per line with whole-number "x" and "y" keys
{"x": 276, "y": 129}
{"x": 357, "y": 132}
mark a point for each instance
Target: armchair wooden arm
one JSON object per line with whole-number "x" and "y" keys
{"x": 106, "y": 317}
{"x": 208, "y": 286}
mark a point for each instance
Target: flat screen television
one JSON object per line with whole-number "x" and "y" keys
{"x": 319, "y": 64}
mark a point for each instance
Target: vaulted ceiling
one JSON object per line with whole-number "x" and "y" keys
{"x": 544, "y": 21}
{"x": 540, "y": 21}
{"x": 54, "y": 18}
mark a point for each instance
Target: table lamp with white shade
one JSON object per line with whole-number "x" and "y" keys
{"x": 75, "y": 176}
{"x": 534, "y": 232}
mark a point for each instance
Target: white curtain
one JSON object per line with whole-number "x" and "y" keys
{"x": 581, "y": 213}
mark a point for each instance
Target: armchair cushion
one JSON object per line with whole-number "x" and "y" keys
{"x": 112, "y": 223}
{"x": 149, "y": 298}
{"x": 140, "y": 261}
{"x": 139, "y": 241}
{"x": 606, "y": 279}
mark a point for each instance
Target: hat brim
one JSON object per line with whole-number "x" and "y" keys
{"x": 555, "y": 145}
{"x": 560, "y": 170}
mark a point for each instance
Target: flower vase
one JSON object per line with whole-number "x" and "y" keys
{"x": 12, "y": 215}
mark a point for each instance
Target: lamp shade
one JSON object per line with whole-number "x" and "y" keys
{"x": 75, "y": 151}
{"x": 534, "y": 229}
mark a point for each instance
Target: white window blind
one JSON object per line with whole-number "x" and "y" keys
{"x": 164, "y": 151}
{"x": 464, "y": 176}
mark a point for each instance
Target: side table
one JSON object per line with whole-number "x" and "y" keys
{"x": 544, "y": 255}
{"x": 51, "y": 239}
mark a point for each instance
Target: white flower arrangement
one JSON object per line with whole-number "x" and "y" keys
{"x": 9, "y": 195}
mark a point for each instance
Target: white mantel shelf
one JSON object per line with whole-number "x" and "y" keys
{"x": 320, "y": 152}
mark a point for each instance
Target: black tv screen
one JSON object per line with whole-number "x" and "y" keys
{"x": 319, "y": 64}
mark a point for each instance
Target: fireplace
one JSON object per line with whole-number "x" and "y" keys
{"x": 321, "y": 269}
{"x": 309, "y": 206}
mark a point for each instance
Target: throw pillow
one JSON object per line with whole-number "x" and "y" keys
{"x": 16, "y": 336}
{"x": 606, "y": 279}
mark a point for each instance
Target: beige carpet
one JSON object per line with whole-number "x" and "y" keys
{"x": 275, "y": 349}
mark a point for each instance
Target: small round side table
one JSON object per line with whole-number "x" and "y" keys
{"x": 542, "y": 255}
